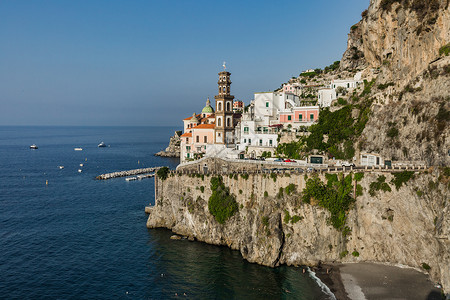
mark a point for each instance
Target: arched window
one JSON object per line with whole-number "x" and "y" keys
{"x": 219, "y": 122}
{"x": 219, "y": 106}
{"x": 228, "y": 106}
{"x": 228, "y": 122}
{"x": 220, "y": 89}
{"x": 228, "y": 90}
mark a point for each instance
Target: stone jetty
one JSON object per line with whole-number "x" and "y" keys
{"x": 127, "y": 173}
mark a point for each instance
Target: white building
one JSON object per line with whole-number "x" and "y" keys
{"x": 293, "y": 88}
{"x": 259, "y": 125}
{"x": 326, "y": 96}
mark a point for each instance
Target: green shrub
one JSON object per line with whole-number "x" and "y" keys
{"x": 359, "y": 176}
{"x": 265, "y": 221}
{"x": 392, "y": 132}
{"x": 386, "y": 85}
{"x": 378, "y": 185}
{"x": 287, "y": 217}
{"x": 359, "y": 190}
{"x": 401, "y": 178}
{"x": 280, "y": 193}
{"x": 291, "y": 188}
{"x": 245, "y": 176}
{"x": 419, "y": 193}
{"x": 336, "y": 198}
{"x": 273, "y": 176}
{"x": 240, "y": 192}
{"x": 355, "y": 253}
{"x": 445, "y": 50}
{"x": 426, "y": 266}
{"x": 163, "y": 173}
{"x": 266, "y": 194}
{"x": 295, "y": 219}
{"x": 222, "y": 204}
{"x": 343, "y": 254}
{"x": 202, "y": 188}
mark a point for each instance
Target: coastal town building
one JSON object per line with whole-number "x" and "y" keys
{"x": 326, "y": 96}
{"x": 198, "y": 133}
{"x": 293, "y": 88}
{"x": 238, "y": 106}
{"x": 299, "y": 116}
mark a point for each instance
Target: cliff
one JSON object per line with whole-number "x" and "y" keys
{"x": 403, "y": 45}
{"x": 272, "y": 226}
{"x": 173, "y": 150}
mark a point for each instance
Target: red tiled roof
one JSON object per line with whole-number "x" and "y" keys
{"x": 187, "y": 134}
{"x": 198, "y": 117}
{"x": 205, "y": 126}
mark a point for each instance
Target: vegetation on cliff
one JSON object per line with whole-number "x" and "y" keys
{"x": 335, "y": 196}
{"x": 163, "y": 173}
{"x": 222, "y": 204}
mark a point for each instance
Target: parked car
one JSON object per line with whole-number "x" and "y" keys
{"x": 289, "y": 160}
{"x": 310, "y": 169}
{"x": 347, "y": 164}
{"x": 278, "y": 160}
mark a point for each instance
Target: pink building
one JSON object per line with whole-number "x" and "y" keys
{"x": 300, "y": 116}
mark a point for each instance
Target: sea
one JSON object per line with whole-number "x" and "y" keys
{"x": 66, "y": 235}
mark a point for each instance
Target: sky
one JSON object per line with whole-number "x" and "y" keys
{"x": 150, "y": 63}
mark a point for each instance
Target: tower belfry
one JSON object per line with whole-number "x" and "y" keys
{"x": 224, "y": 130}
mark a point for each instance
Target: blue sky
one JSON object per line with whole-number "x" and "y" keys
{"x": 155, "y": 62}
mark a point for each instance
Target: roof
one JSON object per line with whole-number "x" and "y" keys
{"x": 197, "y": 116}
{"x": 187, "y": 134}
{"x": 205, "y": 126}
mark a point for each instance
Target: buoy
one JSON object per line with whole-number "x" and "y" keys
{"x": 46, "y": 182}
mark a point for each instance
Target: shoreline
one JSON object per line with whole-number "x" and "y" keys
{"x": 364, "y": 280}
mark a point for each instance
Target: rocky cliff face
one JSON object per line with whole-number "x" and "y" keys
{"x": 409, "y": 226}
{"x": 397, "y": 43}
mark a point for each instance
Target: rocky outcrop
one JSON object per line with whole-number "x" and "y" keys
{"x": 173, "y": 150}
{"x": 409, "y": 226}
{"x": 397, "y": 44}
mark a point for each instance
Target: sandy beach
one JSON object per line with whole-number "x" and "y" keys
{"x": 360, "y": 281}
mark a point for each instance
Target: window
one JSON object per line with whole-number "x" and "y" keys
{"x": 311, "y": 116}
{"x": 205, "y": 139}
{"x": 219, "y": 106}
{"x": 219, "y": 122}
{"x": 289, "y": 118}
{"x": 188, "y": 148}
{"x": 245, "y": 141}
{"x": 245, "y": 129}
{"x": 267, "y": 104}
{"x": 260, "y": 142}
{"x": 197, "y": 139}
{"x": 300, "y": 117}
{"x": 187, "y": 140}
{"x": 265, "y": 129}
{"x": 228, "y": 106}
{"x": 228, "y": 122}
{"x": 249, "y": 141}
{"x": 220, "y": 90}
{"x": 270, "y": 142}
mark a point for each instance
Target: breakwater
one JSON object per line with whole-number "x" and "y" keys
{"x": 127, "y": 173}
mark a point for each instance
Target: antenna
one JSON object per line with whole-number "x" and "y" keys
{"x": 224, "y": 65}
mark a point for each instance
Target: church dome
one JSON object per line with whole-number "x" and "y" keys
{"x": 207, "y": 109}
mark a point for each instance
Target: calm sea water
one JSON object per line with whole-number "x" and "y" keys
{"x": 79, "y": 238}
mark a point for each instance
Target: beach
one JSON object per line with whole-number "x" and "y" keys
{"x": 359, "y": 281}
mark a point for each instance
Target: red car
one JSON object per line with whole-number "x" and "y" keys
{"x": 289, "y": 160}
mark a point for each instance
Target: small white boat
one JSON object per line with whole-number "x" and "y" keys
{"x": 33, "y": 146}
{"x": 61, "y": 167}
{"x": 78, "y": 149}
{"x": 130, "y": 178}
{"x": 101, "y": 145}
{"x": 81, "y": 165}
{"x": 79, "y": 170}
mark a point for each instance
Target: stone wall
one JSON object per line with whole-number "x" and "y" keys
{"x": 409, "y": 226}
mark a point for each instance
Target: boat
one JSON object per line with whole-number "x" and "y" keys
{"x": 130, "y": 178}
{"x": 33, "y": 146}
{"x": 79, "y": 170}
{"x": 61, "y": 167}
{"x": 78, "y": 149}
{"x": 81, "y": 165}
{"x": 101, "y": 145}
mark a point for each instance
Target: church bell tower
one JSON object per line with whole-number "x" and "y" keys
{"x": 224, "y": 129}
